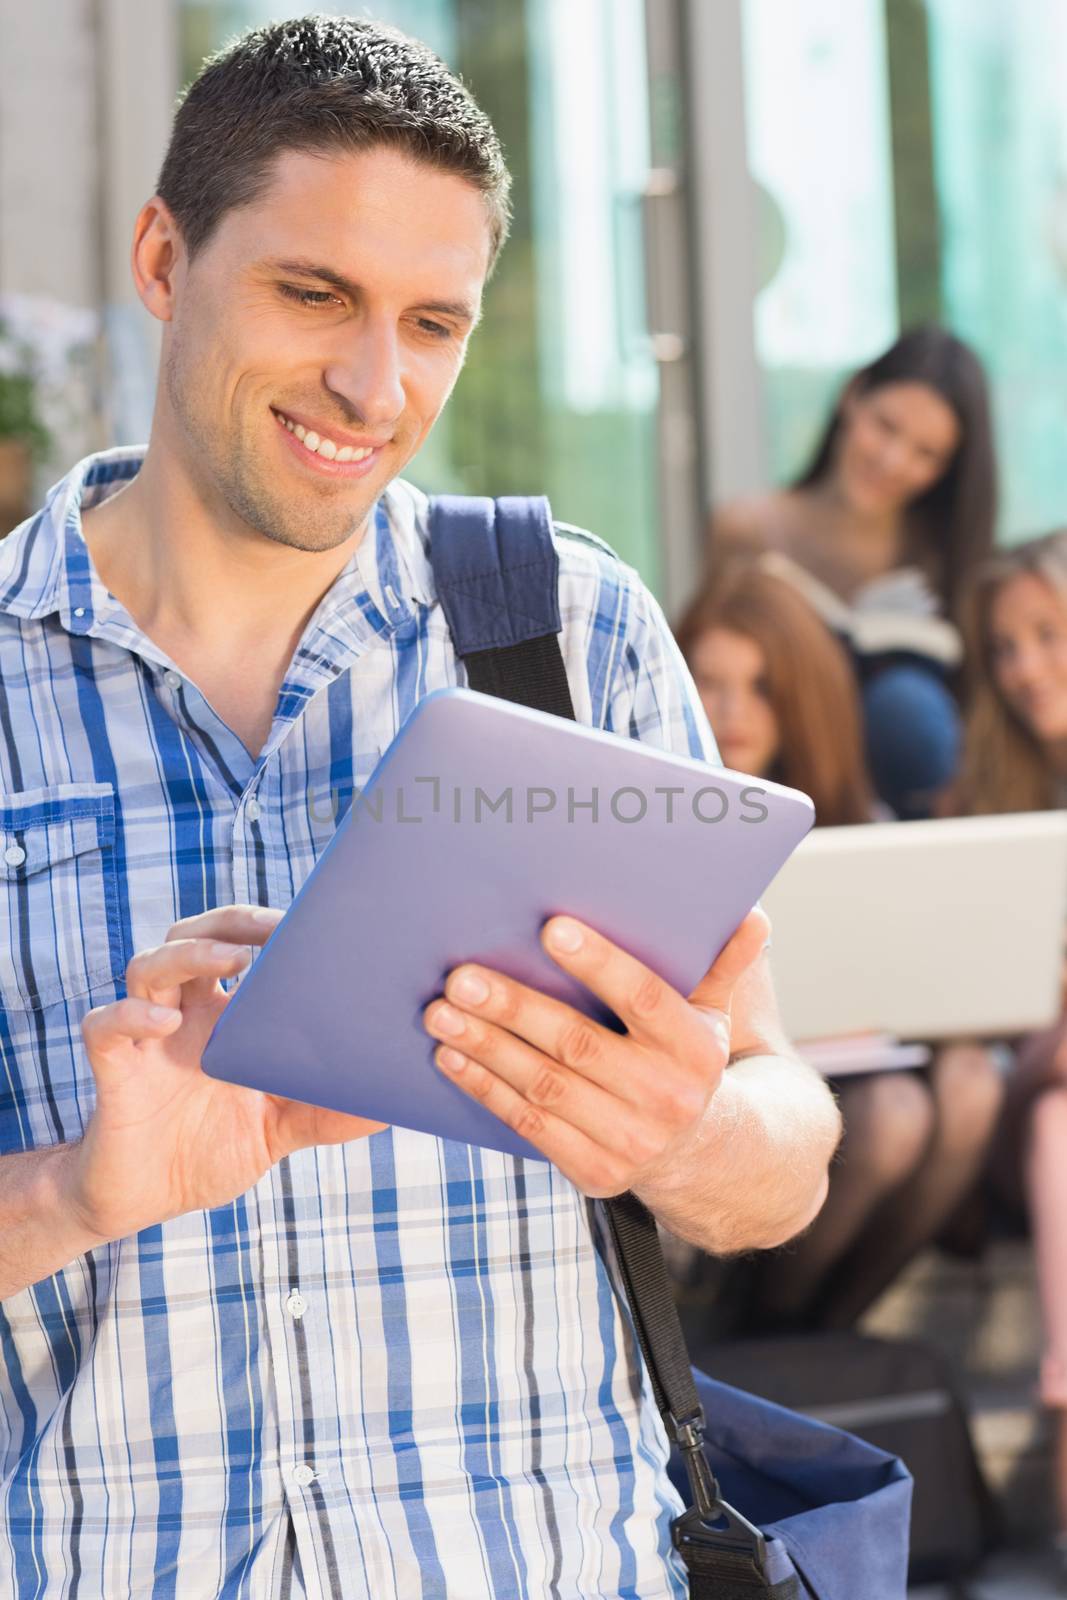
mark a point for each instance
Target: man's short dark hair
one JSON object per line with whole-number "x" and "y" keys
{"x": 321, "y": 83}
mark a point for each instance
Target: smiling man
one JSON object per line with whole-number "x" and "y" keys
{"x": 248, "y": 1348}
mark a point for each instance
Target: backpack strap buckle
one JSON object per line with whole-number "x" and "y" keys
{"x": 711, "y": 1526}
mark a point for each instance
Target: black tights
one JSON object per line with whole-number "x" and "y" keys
{"x": 913, "y": 1147}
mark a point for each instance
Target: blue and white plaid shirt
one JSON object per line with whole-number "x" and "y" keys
{"x": 396, "y": 1367}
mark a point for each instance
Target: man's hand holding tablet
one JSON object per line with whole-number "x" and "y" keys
{"x": 611, "y": 1110}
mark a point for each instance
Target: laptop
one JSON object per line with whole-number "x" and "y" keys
{"x": 922, "y": 930}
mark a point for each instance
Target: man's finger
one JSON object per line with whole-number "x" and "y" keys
{"x": 715, "y": 990}
{"x": 649, "y": 1008}
{"x": 159, "y": 974}
{"x": 236, "y": 924}
{"x": 581, "y": 1158}
{"x": 108, "y": 1028}
{"x": 599, "y": 1103}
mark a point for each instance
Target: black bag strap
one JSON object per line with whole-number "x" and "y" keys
{"x": 724, "y": 1555}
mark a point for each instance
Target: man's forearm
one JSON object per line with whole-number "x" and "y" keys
{"x": 38, "y": 1232}
{"x": 757, "y": 1172}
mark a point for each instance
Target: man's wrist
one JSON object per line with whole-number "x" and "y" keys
{"x": 41, "y": 1230}
{"x": 673, "y": 1178}
{"x": 754, "y": 1175}
{"x": 62, "y": 1197}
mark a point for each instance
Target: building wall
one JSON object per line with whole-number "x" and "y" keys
{"x": 87, "y": 92}
{"x": 49, "y": 233}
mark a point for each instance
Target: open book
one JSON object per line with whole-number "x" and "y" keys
{"x": 895, "y": 612}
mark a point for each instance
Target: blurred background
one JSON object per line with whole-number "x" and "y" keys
{"x": 723, "y": 208}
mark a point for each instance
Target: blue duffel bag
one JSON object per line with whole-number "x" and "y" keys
{"x": 833, "y": 1511}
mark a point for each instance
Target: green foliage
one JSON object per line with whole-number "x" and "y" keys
{"x": 20, "y": 416}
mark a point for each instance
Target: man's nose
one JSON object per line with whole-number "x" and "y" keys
{"x": 367, "y": 376}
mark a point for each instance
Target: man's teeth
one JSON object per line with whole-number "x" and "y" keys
{"x": 323, "y": 447}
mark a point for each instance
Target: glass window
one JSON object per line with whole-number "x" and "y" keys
{"x": 997, "y": 87}
{"x": 559, "y": 392}
{"x": 911, "y": 157}
{"x": 817, "y": 127}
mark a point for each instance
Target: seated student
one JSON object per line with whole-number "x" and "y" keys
{"x": 892, "y": 514}
{"x": 1016, "y": 760}
{"x": 782, "y": 702}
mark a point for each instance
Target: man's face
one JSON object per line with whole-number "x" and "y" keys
{"x": 316, "y": 336}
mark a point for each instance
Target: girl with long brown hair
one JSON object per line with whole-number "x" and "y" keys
{"x": 777, "y": 688}
{"x": 782, "y": 701}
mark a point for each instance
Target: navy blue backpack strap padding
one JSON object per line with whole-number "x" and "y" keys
{"x": 496, "y": 570}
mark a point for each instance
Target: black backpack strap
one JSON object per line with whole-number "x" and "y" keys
{"x": 497, "y": 575}
{"x": 723, "y": 1561}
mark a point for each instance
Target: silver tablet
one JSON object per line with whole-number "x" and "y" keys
{"x": 482, "y": 820}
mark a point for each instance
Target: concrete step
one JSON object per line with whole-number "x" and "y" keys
{"x": 1011, "y": 1575}
{"x": 984, "y": 1316}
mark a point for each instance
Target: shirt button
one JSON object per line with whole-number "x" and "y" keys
{"x": 172, "y": 679}
{"x": 79, "y": 611}
{"x": 303, "y": 1475}
{"x": 14, "y": 855}
{"x": 253, "y": 810}
{"x": 296, "y": 1305}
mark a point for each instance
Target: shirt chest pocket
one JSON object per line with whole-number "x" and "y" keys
{"x": 61, "y": 929}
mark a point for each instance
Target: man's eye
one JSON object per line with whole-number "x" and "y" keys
{"x": 307, "y": 297}
{"x": 436, "y": 330}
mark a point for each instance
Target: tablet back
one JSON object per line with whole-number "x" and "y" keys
{"x": 482, "y": 820}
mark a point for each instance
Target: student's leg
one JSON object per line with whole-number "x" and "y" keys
{"x": 967, "y": 1089}
{"x": 889, "y": 1120}
{"x": 1046, "y": 1186}
{"x": 1040, "y": 1064}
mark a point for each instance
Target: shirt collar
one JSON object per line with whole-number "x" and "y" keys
{"x": 45, "y": 567}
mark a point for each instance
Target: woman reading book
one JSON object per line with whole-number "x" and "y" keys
{"x": 881, "y": 532}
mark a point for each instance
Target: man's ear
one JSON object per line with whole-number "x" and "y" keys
{"x": 156, "y": 258}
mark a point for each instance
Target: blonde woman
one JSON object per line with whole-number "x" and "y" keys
{"x": 1015, "y": 759}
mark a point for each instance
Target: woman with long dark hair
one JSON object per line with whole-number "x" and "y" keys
{"x": 893, "y": 513}
{"x": 782, "y": 701}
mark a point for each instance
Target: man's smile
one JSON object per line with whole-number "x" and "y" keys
{"x": 337, "y": 454}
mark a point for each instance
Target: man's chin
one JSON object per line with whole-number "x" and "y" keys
{"x": 315, "y": 535}
{"x": 303, "y": 520}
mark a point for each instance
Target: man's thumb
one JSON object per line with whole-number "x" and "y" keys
{"x": 741, "y": 951}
